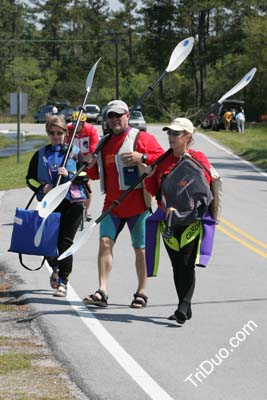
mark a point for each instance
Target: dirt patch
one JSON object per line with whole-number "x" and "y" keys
{"x": 28, "y": 369}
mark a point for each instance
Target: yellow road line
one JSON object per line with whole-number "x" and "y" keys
{"x": 245, "y": 244}
{"x": 244, "y": 234}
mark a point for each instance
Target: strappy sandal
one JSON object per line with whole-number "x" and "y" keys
{"x": 139, "y": 301}
{"x": 54, "y": 280}
{"x": 94, "y": 300}
{"x": 61, "y": 290}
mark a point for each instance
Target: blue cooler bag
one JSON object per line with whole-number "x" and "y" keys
{"x": 26, "y": 224}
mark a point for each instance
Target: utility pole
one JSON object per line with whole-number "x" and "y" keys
{"x": 117, "y": 40}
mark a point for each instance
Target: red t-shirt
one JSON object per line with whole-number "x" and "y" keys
{"x": 87, "y": 139}
{"x": 134, "y": 203}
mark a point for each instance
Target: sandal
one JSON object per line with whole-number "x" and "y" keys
{"x": 139, "y": 301}
{"x": 54, "y": 280}
{"x": 94, "y": 300}
{"x": 61, "y": 290}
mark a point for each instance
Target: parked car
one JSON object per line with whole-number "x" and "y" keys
{"x": 91, "y": 111}
{"x": 67, "y": 112}
{"x": 137, "y": 120}
{"x": 40, "y": 115}
{"x": 215, "y": 121}
{"x": 101, "y": 115}
{"x": 61, "y": 104}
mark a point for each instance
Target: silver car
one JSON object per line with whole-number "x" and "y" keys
{"x": 137, "y": 120}
{"x": 91, "y": 111}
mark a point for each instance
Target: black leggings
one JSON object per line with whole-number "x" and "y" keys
{"x": 183, "y": 264}
{"x": 71, "y": 216}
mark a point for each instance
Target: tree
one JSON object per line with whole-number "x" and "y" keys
{"x": 12, "y": 27}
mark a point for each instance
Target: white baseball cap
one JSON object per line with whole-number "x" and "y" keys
{"x": 180, "y": 124}
{"x": 117, "y": 106}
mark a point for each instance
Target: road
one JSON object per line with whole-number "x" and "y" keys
{"x": 121, "y": 353}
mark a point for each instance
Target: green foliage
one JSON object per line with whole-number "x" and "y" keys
{"x": 48, "y": 47}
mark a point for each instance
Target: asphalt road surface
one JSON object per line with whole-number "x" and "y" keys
{"x": 121, "y": 353}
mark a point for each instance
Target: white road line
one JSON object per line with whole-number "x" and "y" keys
{"x": 131, "y": 367}
{"x": 232, "y": 154}
{"x": 2, "y": 192}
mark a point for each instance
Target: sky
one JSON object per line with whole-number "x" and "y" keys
{"x": 114, "y": 4}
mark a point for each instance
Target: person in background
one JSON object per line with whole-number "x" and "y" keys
{"x": 86, "y": 138}
{"x": 54, "y": 110}
{"x": 117, "y": 167}
{"x": 44, "y": 170}
{"x": 240, "y": 120}
{"x": 183, "y": 246}
{"x": 227, "y": 118}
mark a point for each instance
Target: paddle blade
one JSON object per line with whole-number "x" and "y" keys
{"x": 179, "y": 54}
{"x": 39, "y": 234}
{"x": 90, "y": 76}
{"x": 52, "y": 199}
{"x": 78, "y": 243}
{"x": 240, "y": 85}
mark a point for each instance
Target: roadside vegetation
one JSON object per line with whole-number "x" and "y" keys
{"x": 252, "y": 145}
{"x": 12, "y": 173}
{"x": 28, "y": 369}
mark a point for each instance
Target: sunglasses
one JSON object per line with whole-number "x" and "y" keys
{"x": 170, "y": 132}
{"x": 114, "y": 115}
{"x": 56, "y": 133}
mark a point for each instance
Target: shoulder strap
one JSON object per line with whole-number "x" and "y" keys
{"x": 29, "y": 203}
{"x": 101, "y": 143}
{"x": 202, "y": 166}
{"x": 29, "y": 269}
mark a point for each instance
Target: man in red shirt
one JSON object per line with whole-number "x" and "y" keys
{"x": 86, "y": 139}
{"x": 118, "y": 163}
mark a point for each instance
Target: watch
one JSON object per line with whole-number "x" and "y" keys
{"x": 144, "y": 158}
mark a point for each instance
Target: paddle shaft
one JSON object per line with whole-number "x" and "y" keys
{"x": 89, "y": 82}
{"x": 84, "y": 165}
{"x": 72, "y": 137}
{"x": 130, "y": 188}
{"x": 140, "y": 101}
{"x": 149, "y": 90}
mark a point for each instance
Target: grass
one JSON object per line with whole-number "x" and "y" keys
{"x": 13, "y": 173}
{"x": 252, "y": 146}
{"x": 6, "y": 141}
{"x": 13, "y": 362}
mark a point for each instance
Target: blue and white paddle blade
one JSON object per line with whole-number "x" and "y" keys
{"x": 240, "y": 85}
{"x": 78, "y": 243}
{"x": 179, "y": 54}
{"x": 52, "y": 199}
{"x": 39, "y": 234}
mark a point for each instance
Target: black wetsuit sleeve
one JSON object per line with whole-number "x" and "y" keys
{"x": 31, "y": 177}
